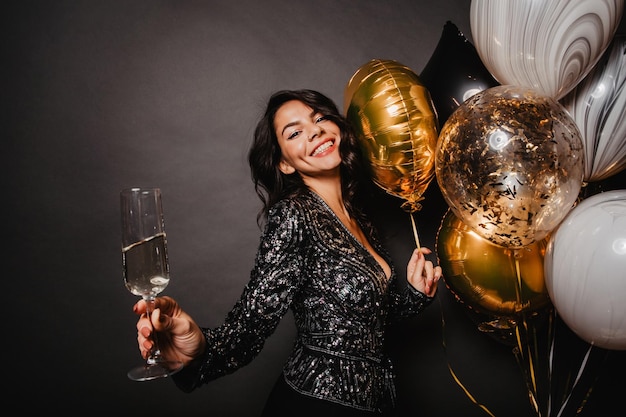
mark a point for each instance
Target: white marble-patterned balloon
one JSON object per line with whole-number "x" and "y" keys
{"x": 547, "y": 45}
{"x": 585, "y": 269}
{"x": 598, "y": 106}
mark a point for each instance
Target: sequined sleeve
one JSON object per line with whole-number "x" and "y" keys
{"x": 407, "y": 301}
{"x": 266, "y": 298}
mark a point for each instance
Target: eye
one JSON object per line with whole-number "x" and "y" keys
{"x": 320, "y": 118}
{"x": 294, "y": 134}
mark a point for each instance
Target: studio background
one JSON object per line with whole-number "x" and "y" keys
{"x": 107, "y": 95}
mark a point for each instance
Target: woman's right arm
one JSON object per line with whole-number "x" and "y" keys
{"x": 211, "y": 353}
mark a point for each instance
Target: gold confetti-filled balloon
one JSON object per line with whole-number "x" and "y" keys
{"x": 484, "y": 276}
{"x": 509, "y": 163}
{"x": 393, "y": 114}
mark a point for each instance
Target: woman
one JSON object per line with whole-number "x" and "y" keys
{"x": 319, "y": 255}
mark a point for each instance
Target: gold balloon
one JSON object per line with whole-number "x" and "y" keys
{"x": 509, "y": 163}
{"x": 393, "y": 114}
{"x": 494, "y": 281}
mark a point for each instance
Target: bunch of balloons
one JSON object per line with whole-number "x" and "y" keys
{"x": 514, "y": 129}
{"x": 512, "y": 161}
{"x": 555, "y": 123}
{"x": 512, "y": 132}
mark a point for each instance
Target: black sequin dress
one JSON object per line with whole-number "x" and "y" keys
{"x": 341, "y": 300}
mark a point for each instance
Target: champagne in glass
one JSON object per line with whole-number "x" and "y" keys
{"x": 146, "y": 271}
{"x": 146, "y": 267}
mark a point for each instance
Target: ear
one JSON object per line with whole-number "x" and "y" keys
{"x": 285, "y": 167}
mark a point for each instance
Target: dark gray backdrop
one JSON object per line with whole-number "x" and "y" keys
{"x": 103, "y": 95}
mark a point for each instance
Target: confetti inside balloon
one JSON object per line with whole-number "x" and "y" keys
{"x": 393, "y": 114}
{"x": 509, "y": 163}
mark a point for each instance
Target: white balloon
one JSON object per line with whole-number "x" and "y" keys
{"x": 598, "y": 106}
{"x": 585, "y": 270}
{"x": 547, "y": 45}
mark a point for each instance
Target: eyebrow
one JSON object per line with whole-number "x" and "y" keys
{"x": 297, "y": 122}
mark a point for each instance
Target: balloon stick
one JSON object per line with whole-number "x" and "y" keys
{"x": 417, "y": 239}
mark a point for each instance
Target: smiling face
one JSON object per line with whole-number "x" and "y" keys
{"x": 308, "y": 141}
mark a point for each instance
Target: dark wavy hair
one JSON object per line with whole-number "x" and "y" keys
{"x": 272, "y": 185}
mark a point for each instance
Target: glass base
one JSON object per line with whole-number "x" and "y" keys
{"x": 155, "y": 370}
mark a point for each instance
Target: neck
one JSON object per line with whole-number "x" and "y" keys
{"x": 330, "y": 191}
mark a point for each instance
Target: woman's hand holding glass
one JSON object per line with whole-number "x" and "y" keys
{"x": 180, "y": 338}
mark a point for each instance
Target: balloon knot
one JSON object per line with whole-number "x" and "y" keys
{"x": 411, "y": 206}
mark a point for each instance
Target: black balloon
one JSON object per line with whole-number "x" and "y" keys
{"x": 454, "y": 72}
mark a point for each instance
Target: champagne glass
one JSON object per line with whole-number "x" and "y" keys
{"x": 146, "y": 267}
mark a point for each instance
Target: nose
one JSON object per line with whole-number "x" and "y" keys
{"x": 315, "y": 131}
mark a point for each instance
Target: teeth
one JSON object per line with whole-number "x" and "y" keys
{"x": 322, "y": 148}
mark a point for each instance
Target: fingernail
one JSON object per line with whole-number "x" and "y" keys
{"x": 145, "y": 331}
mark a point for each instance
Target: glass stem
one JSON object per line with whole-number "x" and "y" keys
{"x": 155, "y": 353}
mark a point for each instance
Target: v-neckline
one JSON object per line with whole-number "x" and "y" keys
{"x": 345, "y": 227}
